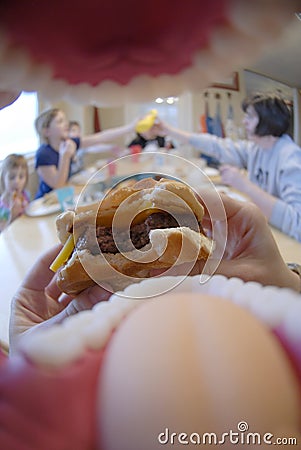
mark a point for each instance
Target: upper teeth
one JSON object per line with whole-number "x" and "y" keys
{"x": 65, "y": 343}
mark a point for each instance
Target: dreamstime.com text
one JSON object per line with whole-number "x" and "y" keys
{"x": 241, "y": 436}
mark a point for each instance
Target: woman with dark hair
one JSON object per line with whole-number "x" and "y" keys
{"x": 273, "y": 112}
{"x": 269, "y": 155}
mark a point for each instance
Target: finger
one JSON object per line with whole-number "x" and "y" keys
{"x": 93, "y": 295}
{"x": 212, "y": 202}
{"x": 52, "y": 290}
{"x": 231, "y": 206}
{"x": 64, "y": 299}
{"x": 87, "y": 299}
{"x": 39, "y": 276}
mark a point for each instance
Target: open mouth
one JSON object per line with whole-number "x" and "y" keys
{"x": 278, "y": 309}
{"x": 75, "y": 360}
{"x": 108, "y": 55}
{"x": 95, "y": 56}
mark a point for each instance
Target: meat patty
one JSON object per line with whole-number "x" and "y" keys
{"x": 139, "y": 233}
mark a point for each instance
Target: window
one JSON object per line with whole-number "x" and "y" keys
{"x": 17, "y": 132}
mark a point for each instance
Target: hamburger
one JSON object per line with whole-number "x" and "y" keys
{"x": 135, "y": 229}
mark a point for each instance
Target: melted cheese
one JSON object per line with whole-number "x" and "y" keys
{"x": 64, "y": 254}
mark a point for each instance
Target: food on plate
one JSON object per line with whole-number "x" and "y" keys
{"x": 50, "y": 198}
{"x": 147, "y": 122}
{"x": 133, "y": 230}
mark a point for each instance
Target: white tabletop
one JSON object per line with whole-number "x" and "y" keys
{"x": 28, "y": 237}
{"x": 20, "y": 246}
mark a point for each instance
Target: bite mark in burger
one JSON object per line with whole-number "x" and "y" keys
{"x": 135, "y": 229}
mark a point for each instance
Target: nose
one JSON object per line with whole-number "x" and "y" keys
{"x": 18, "y": 183}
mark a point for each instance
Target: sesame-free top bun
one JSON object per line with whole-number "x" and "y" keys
{"x": 145, "y": 195}
{"x": 127, "y": 208}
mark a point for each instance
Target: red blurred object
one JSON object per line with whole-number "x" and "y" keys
{"x": 135, "y": 151}
{"x": 112, "y": 169}
{"x": 95, "y": 41}
{"x": 97, "y": 126}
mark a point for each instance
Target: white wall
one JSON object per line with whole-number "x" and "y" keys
{"x": 190, "y": 106}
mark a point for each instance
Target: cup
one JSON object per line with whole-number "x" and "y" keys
{"x": 112, "y": 168}
{"x": 69, "y": 203}
{"x": 65, "y": 196}
{"x": 135, "y": 152}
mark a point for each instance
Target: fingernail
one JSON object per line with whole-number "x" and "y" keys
{"x": 64, "y": 298}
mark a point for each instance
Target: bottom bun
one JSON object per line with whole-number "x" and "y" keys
{"x": 168, "y": 247}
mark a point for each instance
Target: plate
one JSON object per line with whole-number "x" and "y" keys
{"x": 228, "y": 191}
{"x": 211, "y": 172}
{"x": 84, "y": 176}
{"x": 237, "y": 196}
{"x": 40, "y": 207}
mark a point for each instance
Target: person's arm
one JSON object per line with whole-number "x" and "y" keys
{"x": 57, "y": 177}
{"x": 286, "y": 214}
{"x": 163, "y": 128}
{"x": 236, "y": 178}
{"x": 287, "y": 218}
{"x": 16, "y": 207}
{"x": 9, "y": 213}
{"x": 108, "y": 135}
{"x": 283, "y": 211}
{"x": 251, "y": 254}
{"x": 225, "y": 150}
{"x": 255, "y": 256}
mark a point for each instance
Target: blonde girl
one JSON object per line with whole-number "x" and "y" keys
{"x": 54, "y": 157}
{"x": 14, "y": 197}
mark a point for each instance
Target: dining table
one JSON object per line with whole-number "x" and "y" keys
{"x": 29, "y": 236}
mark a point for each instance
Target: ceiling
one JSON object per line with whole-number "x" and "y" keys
{"x": 282, "y": 61}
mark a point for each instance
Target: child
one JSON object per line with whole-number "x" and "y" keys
{"x": 55, "y": 155}
{"x": 14, "y": 198}
{"x": 77, "y": 163}
{"x": 74, "y": 129}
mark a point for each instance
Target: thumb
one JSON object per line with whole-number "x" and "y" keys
{"x": 87, "y": 299}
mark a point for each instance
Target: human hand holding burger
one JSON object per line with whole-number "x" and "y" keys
{"x": 39, "y": 303}
{"x": 251, "y": 254}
